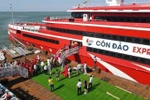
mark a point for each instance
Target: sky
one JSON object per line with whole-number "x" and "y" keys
{"x": 47, "y": 5}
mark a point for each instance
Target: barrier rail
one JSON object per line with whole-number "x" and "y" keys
{"x": 14, "y": 71}
{"x": 68, "y": 53}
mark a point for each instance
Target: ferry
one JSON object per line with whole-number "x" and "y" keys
{"x": 116, "y": 34}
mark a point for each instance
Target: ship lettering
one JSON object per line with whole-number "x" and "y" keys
{"x": 141, "y": 50}
{"x": 103, "y": 44}
{"x": 120, "y": 47}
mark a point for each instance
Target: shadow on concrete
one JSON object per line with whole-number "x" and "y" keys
{"x": 106, "y": 79}
{"x": 10, "y": 83}
{"x": 23, "y": 95}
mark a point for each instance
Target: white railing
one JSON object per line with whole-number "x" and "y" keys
{"x": 15, "y": 70}
{"x": 31, "y": 28}
{"x": 105, "y": 4}
{"x": 68, "y": 53}
{"x": 89, "y": 5}
{"x": 58, "y": 18}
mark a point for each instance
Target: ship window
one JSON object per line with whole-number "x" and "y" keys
{"x": 137, "y": 40}
{"x": 114, "y": 37}
{"x": 122, "y": 38}
{"x": 101, "y": 35}
{"x": 146, "y": 41}
{"x": 108, "y": 36}
{"x": 129, "y": 39}
{"x": 18, "y": 32}
{"x": 119, "y": 55}
{"x": 41, "y": 38}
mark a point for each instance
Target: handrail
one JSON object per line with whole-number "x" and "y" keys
{"x": 105, "y": 4}
{"x": 57, "y": 18}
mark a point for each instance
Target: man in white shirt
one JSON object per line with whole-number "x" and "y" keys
{"x": 49, "y": 67}
{"x": 79, "y": 86}
{"x": 90, "y": 81}
{"x": 35, "y": 69}
{"x": 45, "y": 69}
{"x": 69, "y": 72}
{"x": 85, "y": 68}
{"x": 42, "y": 66}
{"x": 38, "y": 57}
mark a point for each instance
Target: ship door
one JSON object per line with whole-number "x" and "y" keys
{"x": 72, "y": 43}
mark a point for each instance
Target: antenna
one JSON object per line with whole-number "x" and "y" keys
{"x": 12, "y": 15}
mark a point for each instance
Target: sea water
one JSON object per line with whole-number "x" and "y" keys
{"x": 6, "y": 18}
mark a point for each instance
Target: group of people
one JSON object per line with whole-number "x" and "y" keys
{"x": 51, "y": 82}
{"x": 87, "y": 86}
{"x": 9, "y": 64}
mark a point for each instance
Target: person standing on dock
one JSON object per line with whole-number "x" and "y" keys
{"x": 45, "y": 69}
{"x": 35, "y": 69}
{"x": 90, "y": 81}
{"x": 38, "y": 57}
{"x": 57, "y": 73}
{"x": 63, "y": 64}
{"x": 49, "y": 67}
{"x": 79, "y": 68}
{"x": 69, "y": 72}
{"x": 79, "y": 86}
{"x": 42, "y": 66}
{"x": 85, "y": 87}
{"x": 51, "y": 84}
{"x": 85, "y": 68}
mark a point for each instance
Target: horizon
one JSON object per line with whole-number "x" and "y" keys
{"x": 49, "y": 5}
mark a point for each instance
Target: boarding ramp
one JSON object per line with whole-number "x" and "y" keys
{"x": 11, "y": 52}
{"x": 13, "y": 71}
{"x": 15, "y": 52}
{"x": 67, "y": 53}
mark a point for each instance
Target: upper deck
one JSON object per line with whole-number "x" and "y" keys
{"x": 99, "y": 23}
{"x": 142, "y": 8}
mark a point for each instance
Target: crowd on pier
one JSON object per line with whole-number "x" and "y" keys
{"x": 37, "y": 66}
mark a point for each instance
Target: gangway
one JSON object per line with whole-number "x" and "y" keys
{"x": 11, "y": 52}
{"x": 15, "y": 52}
{"x": 66, "y": 53}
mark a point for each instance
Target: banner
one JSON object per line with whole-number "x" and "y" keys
{"x": 134, "y": 49}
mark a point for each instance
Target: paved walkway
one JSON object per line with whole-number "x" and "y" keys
{"x": 29, "y": 90}
{"x": 33, "y": 91}
{"x": 133, "y": 87}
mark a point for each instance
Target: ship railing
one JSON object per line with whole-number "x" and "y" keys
{"x": 137, "y": 2}
{"x": 31, "y": 28}
{"x": 89, "y": 5}
{"x": 68, "y": 53}
{"x": 105, "y": 4}
{"x": 58, "y": 18}
{"x": 14, "y": 70}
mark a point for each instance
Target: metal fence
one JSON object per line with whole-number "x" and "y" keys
{"x": 14, "y": 71}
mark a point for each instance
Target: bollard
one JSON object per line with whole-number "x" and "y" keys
{"x": 99, "y": 70}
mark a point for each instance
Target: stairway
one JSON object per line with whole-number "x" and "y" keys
{"x": 66, "y": 52}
